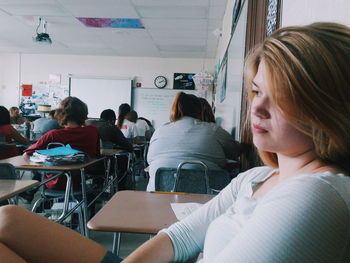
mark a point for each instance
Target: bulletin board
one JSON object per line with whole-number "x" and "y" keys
{"x": 155, "y": 104}
{"x": 34, "y": 94}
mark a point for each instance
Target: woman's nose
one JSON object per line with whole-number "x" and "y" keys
{"x": 260, "y": 107}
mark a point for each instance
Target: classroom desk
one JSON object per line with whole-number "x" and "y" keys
{"x": 140, "y": 212}
{"x": 11, "y": 187}
{"x": 23, "y": 163}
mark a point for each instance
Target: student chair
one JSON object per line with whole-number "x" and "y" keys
{"x": 198, "y": 180}
{"x": 7, "y": 171}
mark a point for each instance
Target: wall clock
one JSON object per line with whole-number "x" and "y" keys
{"x": 160, "y": 82}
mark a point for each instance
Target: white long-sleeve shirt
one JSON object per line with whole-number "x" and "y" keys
{"x": 304, "y": 219}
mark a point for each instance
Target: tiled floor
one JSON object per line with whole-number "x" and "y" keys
{"x": 129, "y": 241}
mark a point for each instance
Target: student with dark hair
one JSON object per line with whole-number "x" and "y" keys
{"x": 8, "y": 134}
{"x": 126, "y": 123}
{"x": 71, "y": 114}
{"x": 16, "y": 116}
{"x": 186, "y": 137}
{"x": 122, "y": 111}
{"x": 109, "y": 133}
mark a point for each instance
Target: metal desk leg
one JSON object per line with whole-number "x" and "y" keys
{"x": 116, "y": 243}
{"x": 85, "y": 202}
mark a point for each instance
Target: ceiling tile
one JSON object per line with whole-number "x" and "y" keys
{"x": 172, "y": 12}
{"x": 195, "y": 54}
{"x": 170, "y": 2}
{"x": 42, "y": 9}
{"x": 99, "y": 10}
{"x": 175, "y": 24}
{"x": 156, "y": 33}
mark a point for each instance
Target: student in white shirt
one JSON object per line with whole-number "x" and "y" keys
{"x": 126, "y": 125}
{"x": 295, "y": 209}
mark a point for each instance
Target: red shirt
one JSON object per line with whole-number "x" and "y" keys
{"x": 7, "y": 151}
{"x": 85, "y": 139}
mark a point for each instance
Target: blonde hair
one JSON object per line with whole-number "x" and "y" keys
{"x": 309, "y": 81}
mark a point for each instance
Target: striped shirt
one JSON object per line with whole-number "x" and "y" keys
{"x": 304, "y": 219}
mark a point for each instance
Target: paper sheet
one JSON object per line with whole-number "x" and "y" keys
{"x": 182, "y": 210}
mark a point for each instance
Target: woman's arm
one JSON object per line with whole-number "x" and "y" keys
{"x": 19, "y": 137}
{"x": 157, "y": 250}
{"x": 302, "y": 220}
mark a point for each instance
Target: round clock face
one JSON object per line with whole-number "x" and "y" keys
{"x": 160, "y": 82}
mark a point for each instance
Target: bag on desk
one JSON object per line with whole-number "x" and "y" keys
{"x": 59, "y": 156}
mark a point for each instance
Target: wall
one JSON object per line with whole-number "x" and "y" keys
{"x": 35, "y": 68}
{"x": 315, "y": 10}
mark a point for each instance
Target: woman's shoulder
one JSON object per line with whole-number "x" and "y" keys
{"x": 254, "y": 175}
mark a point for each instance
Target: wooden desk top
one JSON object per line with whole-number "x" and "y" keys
{"x": 24, "y": 163}
{"x": 10, "y": 188}
{"x": 140, "y": 212}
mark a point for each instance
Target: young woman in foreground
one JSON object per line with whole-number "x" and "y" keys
{"x": 295, "y": 209}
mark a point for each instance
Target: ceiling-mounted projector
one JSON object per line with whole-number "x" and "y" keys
{"x": 42, "y": 38}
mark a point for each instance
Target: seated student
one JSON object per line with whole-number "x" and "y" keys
{"x": 127, "y": 127}
{"x": 109, "y": 133}
{"x": 43, "y": 125}
{"x": 188, "y": 138}
{"x": 8, "y": 135}
{"x": 71, "y": 114}
{"x": 295, "y": 209}
{"x": 16, "y": 116}
{"x": 145, "y": 127}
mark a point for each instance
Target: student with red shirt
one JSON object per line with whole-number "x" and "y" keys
{"x": 71, "y": 114}
{"x": 9, "y": 134}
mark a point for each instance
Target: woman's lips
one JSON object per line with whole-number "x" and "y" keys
{"x": 258, "y": 129}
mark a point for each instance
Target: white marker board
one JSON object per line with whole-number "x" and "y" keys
{"x": 155, "y": 104}
{"x": 101, "y": 93}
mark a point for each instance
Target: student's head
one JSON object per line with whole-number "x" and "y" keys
{"x": 207, "y": 114}
{"x": 131, "y": 116}
{"x": 4, "y": 116}
{"x": 108, "y": 115}
{"x": 307, "y": 79}
{"x": 122, "y": 111}
{"x": 185, "y": 105}
{"x": 14, "y": 111}
{"x": 71, "y": 109}
{"x": 52, "y": 114}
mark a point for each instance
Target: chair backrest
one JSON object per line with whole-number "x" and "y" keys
{"x": 165, "y": 179}
{"x": 7, "y": 171}
{"x": 191, "y": 180}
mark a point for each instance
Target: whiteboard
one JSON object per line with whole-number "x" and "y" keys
{"x": 100, "y": 93}
{"x": 155, "y": 104}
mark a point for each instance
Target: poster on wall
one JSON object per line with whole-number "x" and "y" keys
{"x": 221, "y": 81}
{"x": 184, "y": 81}
{"x": 41, "y": 94}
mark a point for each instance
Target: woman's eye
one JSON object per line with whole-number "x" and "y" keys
{"x": 256, "y": 92}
